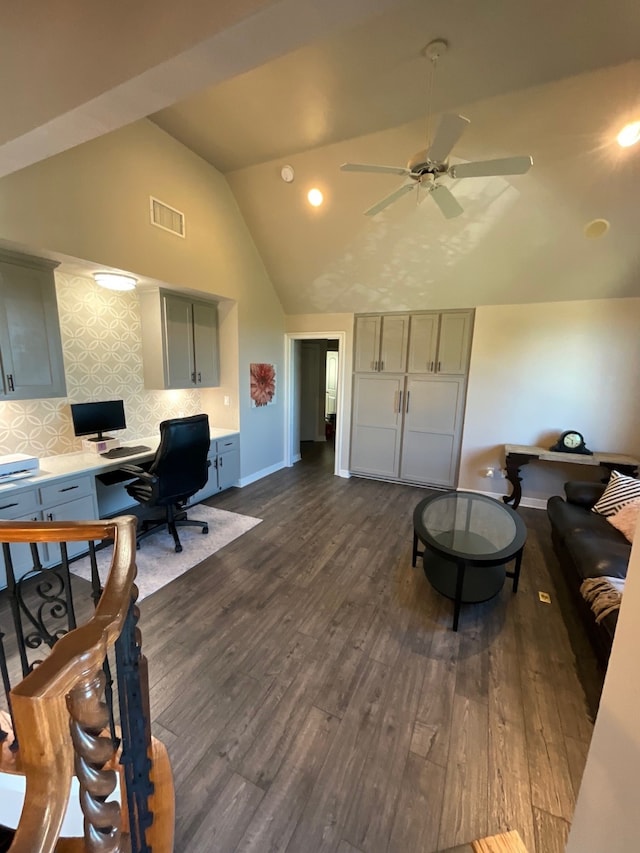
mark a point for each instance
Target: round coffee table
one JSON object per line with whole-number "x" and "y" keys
{"x": 469, "y": 539}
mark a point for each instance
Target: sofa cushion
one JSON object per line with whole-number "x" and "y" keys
{"x": 569, "y": 518}
{"x": 595, "y": 558}
{"x": 583, "y": 493}
{"x": 620, "y": 490}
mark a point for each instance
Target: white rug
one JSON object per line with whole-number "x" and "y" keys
{"x": 158, "y": 563}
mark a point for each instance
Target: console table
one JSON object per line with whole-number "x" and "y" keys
{"x": 518, "y": 455}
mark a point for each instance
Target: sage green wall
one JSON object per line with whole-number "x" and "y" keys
{"x": 92, "y": 203}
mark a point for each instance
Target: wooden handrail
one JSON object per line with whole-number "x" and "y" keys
{"x": 40, "y": 700}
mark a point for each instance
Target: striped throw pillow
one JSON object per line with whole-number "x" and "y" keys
{"x": 620, "y": 490}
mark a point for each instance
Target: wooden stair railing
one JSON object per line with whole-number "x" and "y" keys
{"x": 61, "y": 721}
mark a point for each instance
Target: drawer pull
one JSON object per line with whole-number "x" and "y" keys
{"x": 12, "y": 387}
{"x": 69, "y": 488}
{"x": 8, "y": 506}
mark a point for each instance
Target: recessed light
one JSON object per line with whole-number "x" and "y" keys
{"x": 315, "y": 197}
{"x": 629, "y": 135}
{"x": 596, "y": 228}
{"x": 115, "y": 280}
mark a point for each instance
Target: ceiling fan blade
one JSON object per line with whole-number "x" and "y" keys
{"x": 389, "y": 199}
{"x": 446, "y": 201}
{"x": 449, "y": 131}
{"x": 488, "y": 168}
{"x": 367, "y": 167}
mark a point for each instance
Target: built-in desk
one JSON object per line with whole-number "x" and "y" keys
{"x": 518, "y": 455}
{"x": 76, "y": 487}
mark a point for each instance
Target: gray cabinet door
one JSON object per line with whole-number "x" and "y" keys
{"x": 453, "y": 346}
{"x": 423, "y": 343}
{"x": 393, "y": 346}
{"x": 30, "y": 348}
{"x": 205, "y": 344}
{"x": 178, "y": 332}
{"x": 432, "y": 425}
{"x": 377, "y": 420}
{"x": 367, "y": 346}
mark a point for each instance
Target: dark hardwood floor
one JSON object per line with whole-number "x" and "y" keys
{"x": 314, "y": 698}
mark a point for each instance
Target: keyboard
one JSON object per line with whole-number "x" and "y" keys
{"x": 122, "y": 452}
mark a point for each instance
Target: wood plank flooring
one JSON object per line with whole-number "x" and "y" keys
{"x": 313, "y": 697}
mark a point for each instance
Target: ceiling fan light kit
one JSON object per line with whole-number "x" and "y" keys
{"x": 425, "y": 167}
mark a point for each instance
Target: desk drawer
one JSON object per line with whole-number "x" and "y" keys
{"x": 14, "y": 506}
{"x": 66, "y": 490}
{"x": 232, "y": 442}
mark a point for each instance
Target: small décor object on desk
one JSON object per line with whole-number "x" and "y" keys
{"x": 571, "y": 441}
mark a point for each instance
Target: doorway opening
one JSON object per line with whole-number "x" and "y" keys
{"x": 314, "y": 389}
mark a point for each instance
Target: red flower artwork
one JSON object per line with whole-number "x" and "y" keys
{"x": 263, "y": 383}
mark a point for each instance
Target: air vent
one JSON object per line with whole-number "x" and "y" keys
{"x": 165, "y": 217}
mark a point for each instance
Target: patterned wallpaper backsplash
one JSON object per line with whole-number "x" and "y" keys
{"x": 103, "y": 361}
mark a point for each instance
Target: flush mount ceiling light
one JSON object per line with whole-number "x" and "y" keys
{"x": 287, "y": 174}
{"x": 115, "y": 280}
{"x": 315, "y": 197}
{"x": 596, "y": 228}
{"x": 629, "y": 135}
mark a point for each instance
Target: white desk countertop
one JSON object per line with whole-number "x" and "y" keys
{"x": 69, "y": 464}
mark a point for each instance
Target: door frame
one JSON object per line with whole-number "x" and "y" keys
{"x": 291, "y": 398}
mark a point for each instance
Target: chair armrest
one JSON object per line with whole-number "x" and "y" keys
{"x": 137, "y": 471}
{"x": 583, "y": 493}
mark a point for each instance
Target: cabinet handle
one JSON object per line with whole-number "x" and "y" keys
{"x": 10, "y": 382}
{"x": 199, "y": 376}
{"x": 193, "y": 377}
{"x": 430, "y": 367}
{"x": 8, "y": 506}
{"x": 375, "y": 365}
{"x": 438, "y": 367}
{"x": 69, "y": 488}
{"x": 50, "y": 516}
{"x": 407, "y": 409}
{"x": 399, "y": 402}
{"x": 382, "y": 365}
{"x": 221, "y": 461}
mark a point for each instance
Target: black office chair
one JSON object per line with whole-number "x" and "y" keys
{"x": 177, "y": 472}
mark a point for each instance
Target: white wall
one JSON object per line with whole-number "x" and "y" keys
{"x": 607, "y": 816}
{"x": 92, "y": 203}
{"x": 539, "y": 369}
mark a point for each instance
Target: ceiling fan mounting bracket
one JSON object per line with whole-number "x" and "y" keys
{"x": 435, "y": 49}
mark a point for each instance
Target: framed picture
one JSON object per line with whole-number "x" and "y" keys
{"x": 263, "y": 384}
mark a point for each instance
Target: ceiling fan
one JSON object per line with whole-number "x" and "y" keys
{"x": 428, "y": 165}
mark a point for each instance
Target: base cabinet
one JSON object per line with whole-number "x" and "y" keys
{"x": 224, "y": 467}
{"x": 377, "y": 421}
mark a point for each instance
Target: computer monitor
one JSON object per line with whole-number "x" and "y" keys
{"x": 90, "y": 418}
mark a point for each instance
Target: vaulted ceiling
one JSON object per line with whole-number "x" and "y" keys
{"x": 315, "y": 84}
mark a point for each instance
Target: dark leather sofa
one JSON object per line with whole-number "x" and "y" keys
{"x": 587, "y": 546}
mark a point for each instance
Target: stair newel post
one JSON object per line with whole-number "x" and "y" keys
{"x": 135, "y": 723}
{"x": 89, "y": 717}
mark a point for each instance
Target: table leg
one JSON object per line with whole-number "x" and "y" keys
{"x": 515, "y": 461}
{"x": 458, "y": 599}
{"x": 415, "y": 549}
{"x": 516, "y": 571}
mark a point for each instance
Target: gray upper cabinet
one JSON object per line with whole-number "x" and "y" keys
{"x": 30, "y": 348}
{"x": 381, "y": 343}
{"x": 439, "y": 343}
{"x": 179, "y": 340}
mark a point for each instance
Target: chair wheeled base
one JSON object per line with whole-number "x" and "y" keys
{"x": 176, "y": 516}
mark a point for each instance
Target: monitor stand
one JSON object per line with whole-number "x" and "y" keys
{"x": 100, "y": 444}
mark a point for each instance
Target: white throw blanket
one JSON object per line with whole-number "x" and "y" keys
{"x": 603, "y": 594}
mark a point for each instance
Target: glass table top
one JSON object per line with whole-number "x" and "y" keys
{"x": 468, "y": 525}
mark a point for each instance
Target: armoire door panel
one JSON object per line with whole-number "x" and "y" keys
{"x": 453, "y": 347}
{"x": 375, "y": 451}
{"x": 432, "y": 404}
{"x": 428, "y": 458}
{"x": 367, "y": 349}
{"x": 377, "y": 421}
{"x": 393, "y": 349}
{"x": 423, "y": 343}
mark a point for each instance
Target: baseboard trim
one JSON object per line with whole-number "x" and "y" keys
{"x": 258, "y": 475}
{"x": 342, "y": 472}
{"x": 295, "y": 459}
{"x": 531, "y": 503}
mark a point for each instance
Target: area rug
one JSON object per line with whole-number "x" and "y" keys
{"x": 158, "y": 563}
